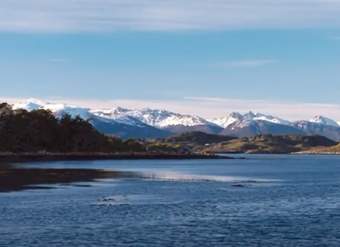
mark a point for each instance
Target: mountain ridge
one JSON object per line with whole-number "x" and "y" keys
{"x": 156, "y": 123}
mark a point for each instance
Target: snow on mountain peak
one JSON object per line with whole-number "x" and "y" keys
{"x": 228, "y": 120}
{"x": 29, "y": 105}
{"x": 57, "y": 109}
{"x": 119, "y": 110}
{"x": 245, "y": 119}
{"x": 35, "y": 101}
{"x": 159, "y": 118}
{"x": 73, "y": 111}
{"x": 324, "y": 121}
{"x": 250, "y": 115}
{"x": 163, "y": 118}
{"x": 152, "y": 117}
{"x": 272, "y": 119}
{"x": 119, "y": 115}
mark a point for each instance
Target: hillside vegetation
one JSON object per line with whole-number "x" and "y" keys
{"x": 187, "y": 142}
{"x": 200, "y": 142}
{"x": 324, "y": 150}
{"x": 198, "y": 138}
{"x": 271, "y": 144}
{"x": 40, "y": 131}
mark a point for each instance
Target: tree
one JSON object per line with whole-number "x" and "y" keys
{"x": 41, "y": 131}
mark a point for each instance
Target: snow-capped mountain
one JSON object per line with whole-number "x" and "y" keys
{"x": 153, "y": 123}
{"x": 237, "y": 119}
{"x": 118, "y": 115}
{"x": 224, "y": 122}
{"x": 164, "y": 119}
{"x": 251, "y": 124}
{"x": 57, "y": 109}
{"x": 161, "y": 119}
{"x": 324, "y": 121}
{"x": 271, "y": 119}
{"x": 320, "y": 125}
{"x": 260, "y": 127}
{"x": 156, "y": 118}
{"x": 29, "y": 105}
{"x": 122, "y": 126}
{"x": 312, "y": 128}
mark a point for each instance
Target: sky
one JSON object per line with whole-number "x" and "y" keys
{"x": 209, "y": 58}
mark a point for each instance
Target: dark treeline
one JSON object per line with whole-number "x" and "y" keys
{"x": 41, "y": 131}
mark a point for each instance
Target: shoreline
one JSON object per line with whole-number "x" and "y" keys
{"x": 318, "y": 153}
{"x": 14, "y": 178}
{"x": 291, "y": 153}
{"x": 31, "y": 157}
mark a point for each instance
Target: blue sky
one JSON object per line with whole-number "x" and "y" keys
{"x": 175, "y": 52}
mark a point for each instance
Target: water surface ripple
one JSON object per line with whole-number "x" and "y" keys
{"x": 262, "y": 201}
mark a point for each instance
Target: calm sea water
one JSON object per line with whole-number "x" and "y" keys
{"x": 262, "y": 201}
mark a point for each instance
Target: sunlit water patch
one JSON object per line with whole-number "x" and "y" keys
{"x": 182, "y": 177}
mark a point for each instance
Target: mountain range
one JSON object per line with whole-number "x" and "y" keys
{"x": 151, "y": 123}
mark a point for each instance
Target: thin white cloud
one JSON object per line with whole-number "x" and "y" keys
{"x": 249, "y": 63}
{"x": 209, "y": 107}
{"x": 165, "y": 15}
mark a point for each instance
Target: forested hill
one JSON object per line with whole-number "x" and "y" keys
{"x": 40, "y": 131}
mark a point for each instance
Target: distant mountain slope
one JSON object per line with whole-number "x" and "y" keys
{"x": 168, "y": 121}
{"x": 126, "y": 130}
{"x": 198, "y": 138}
{"x": 155, "y": 118}
{"x": 312, "y": 128}
{"x": 153, "y": 123}
{"x": 179, "y": 129}
{"x": 324, "y": 150}
{"x": 228, "y": 120}
{"x": 324, "y": 121}
{"x": 252, "y": 124}
{"x": 271, "y": 144}
{"x": 236, "y": 118}
{"x": 259, "y": 127}
{"x": 165, "y": 121}
{"x": 123, "y": 127}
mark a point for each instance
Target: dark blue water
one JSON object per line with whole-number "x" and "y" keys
{"x": 261, "y": 201}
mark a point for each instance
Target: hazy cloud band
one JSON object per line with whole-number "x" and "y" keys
{"x": 211, "y": 107}
{"x": 165, "y": 15}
